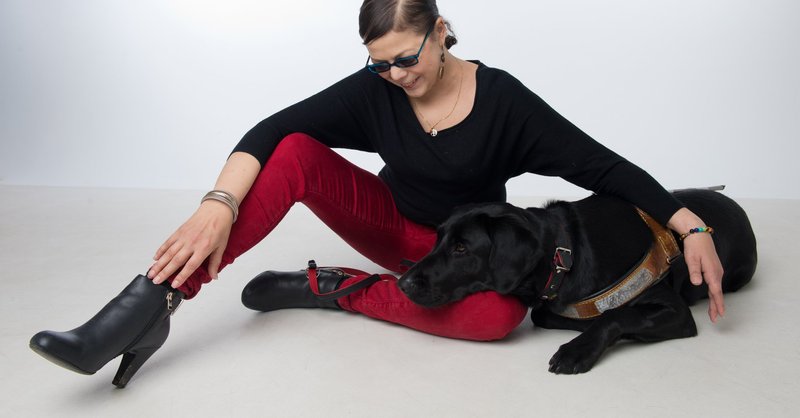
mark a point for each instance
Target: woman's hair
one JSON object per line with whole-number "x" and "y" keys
{"x": 378, "y": 17}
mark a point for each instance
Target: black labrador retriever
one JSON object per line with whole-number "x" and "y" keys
{"x": 568, "y": 254}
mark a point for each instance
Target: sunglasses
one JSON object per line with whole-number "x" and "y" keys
{"x": 402, "y": 62}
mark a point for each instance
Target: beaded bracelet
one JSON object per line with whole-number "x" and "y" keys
{"x": 224, "y": 197}
{"x": 707, "y": 229}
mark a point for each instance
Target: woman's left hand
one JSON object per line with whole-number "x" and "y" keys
{"x": 701, "y": 259}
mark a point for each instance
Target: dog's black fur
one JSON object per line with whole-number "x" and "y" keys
{"x": 500, "y": 247}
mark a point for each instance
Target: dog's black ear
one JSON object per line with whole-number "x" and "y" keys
{"x": 515, "y": 250}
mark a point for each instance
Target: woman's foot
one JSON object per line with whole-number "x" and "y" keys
{"x": 134, "y": 324}
{"x": 273, "y": 290}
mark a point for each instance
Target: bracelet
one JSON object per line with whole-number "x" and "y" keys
{"x": 224, "y": 197}
{"x": 706, "y": 229}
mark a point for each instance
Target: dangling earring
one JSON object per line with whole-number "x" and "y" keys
{"x": 441, "y": 67}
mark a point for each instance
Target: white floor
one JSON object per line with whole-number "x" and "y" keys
{"x": 65, "y": 252}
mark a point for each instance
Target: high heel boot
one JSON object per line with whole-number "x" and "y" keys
{"x": 134, "y": 324}
{"x": 273, "y": 290}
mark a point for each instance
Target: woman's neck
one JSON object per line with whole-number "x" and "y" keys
{"x": 446, "y": 87}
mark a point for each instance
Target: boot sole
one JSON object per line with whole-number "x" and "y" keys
{"x": 58, "y": 361}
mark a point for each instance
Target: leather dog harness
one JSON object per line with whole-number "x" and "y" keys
{"x": 649, "y": 271}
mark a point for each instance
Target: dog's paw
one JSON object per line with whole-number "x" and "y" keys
{"x": 576, "y": 356}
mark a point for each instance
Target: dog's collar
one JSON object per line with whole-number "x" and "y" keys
{"x": 649, "y": 271}
{"x": 562, "y": 264}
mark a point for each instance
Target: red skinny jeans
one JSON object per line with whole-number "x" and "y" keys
{"x": 359, "y": 207}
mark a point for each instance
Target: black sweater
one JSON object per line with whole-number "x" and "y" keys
{"x": 510, "y": 131}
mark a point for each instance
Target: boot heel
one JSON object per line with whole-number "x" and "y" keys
{"x": 131, "y": 362}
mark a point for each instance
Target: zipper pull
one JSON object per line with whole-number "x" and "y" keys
{"x": 170, "y": 307}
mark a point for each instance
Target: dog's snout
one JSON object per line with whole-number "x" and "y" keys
{"x": 410, "y": 284}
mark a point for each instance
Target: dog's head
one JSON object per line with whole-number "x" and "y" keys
{"x": 491, "y": 246}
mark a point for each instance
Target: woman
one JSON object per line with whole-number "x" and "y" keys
{"x": 450, "y": 132}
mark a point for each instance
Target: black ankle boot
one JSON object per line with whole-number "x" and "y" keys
{"x": 134, "y": 324}
{"x": 273, "y": 290}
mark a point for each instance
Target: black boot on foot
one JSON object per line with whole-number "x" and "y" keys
{"x": 134, "y": 324}
{"x": 273, "y": 290}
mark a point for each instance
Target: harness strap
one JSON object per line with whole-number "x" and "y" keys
{"x": 361, "y": 283}
{"x": 649, "y": 271}
{"x": 562, "y": 264}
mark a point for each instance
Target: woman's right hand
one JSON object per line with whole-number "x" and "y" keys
{"x": 203, "y": 236}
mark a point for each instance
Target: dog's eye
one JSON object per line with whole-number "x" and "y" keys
{"x": 459, "y": 248}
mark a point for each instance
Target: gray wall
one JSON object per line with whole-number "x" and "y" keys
{"x": 154, "y": 93}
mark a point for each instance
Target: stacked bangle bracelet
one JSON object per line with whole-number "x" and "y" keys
{"x": 224, "y": 197}
{"x": 706, "y": 229}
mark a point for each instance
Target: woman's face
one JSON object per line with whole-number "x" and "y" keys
{"x": 419, "y": 79}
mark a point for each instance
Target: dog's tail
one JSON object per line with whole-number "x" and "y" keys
{"x": 717, "y": 188}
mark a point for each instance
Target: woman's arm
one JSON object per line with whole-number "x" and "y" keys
{"x": 701, "y": 259}
{"x": 556, "y": 147}
{"x": 336, "y": 116}
{"x": 206, "y": 232}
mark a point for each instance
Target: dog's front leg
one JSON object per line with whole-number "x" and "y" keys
{"x": 657, "y": 315}
{"x": 581, "y": 354}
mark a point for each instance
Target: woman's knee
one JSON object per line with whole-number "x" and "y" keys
{"x": 296, "y": 144}
{"x": 296, "y": 158}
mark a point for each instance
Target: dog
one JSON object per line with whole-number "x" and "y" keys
{"x": 520, "y": 252}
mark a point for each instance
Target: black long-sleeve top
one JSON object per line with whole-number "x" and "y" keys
{"x": 510, "y": 131}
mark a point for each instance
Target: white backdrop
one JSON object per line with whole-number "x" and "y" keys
{"x": 155, "y": 93}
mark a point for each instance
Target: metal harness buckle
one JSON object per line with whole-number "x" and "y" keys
{"x": 559, "y": 259}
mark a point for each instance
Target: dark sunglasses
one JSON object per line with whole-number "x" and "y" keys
{"x": 402, "y": 62}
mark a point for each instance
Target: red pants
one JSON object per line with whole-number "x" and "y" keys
{"x": 359, "y": 207}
